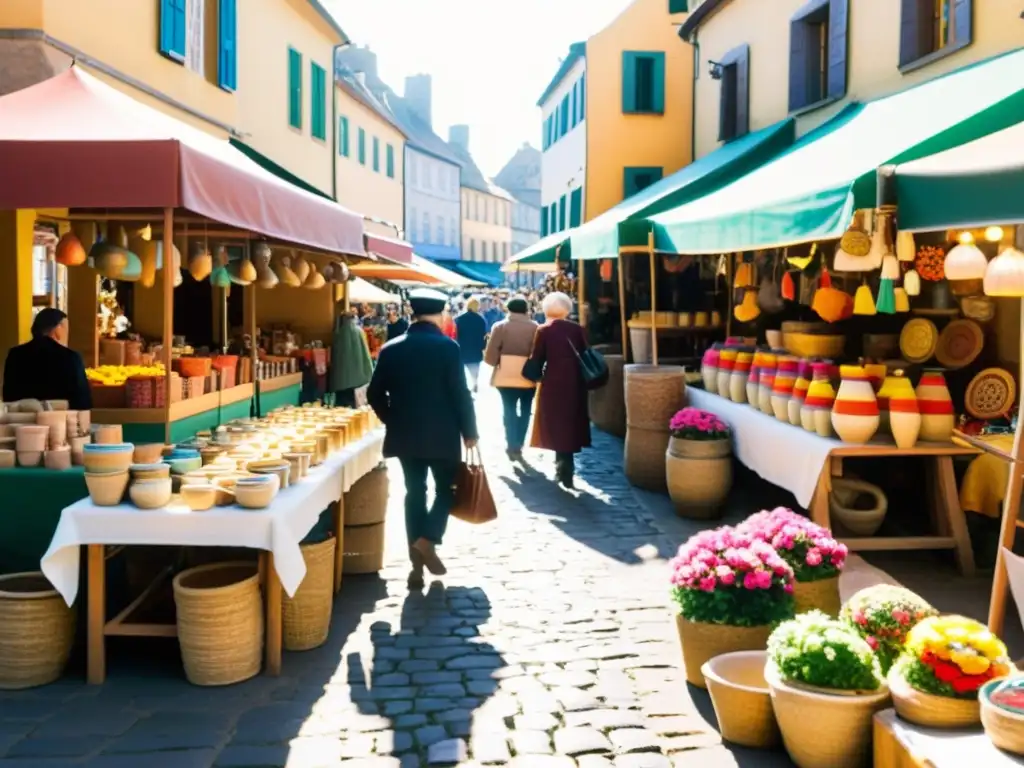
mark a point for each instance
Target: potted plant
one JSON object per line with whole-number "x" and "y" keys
{"x": 883, "y": 615}
{"x": 698, "y": 463}
{"x": 816, "y": 558}
{"x": 826, "y": 686}
{"x": 945, "y": 661}
{"x": 731, "y": 589}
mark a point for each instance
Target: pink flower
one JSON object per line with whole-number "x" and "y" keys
{"x": 750, "y": 581}
{"x": 872, "y": 641}
{"x": 789, "y": 588}
{"x": 860, "y": 618}
{"x": 813, "y": 557}
{"x": 764, "y": 579}
{"x": 900, "y": 616}
{"x": 725, "y": 575}
{"x": 707, "y": 584}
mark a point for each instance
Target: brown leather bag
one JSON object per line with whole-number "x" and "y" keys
{"x": 473, "y": 500}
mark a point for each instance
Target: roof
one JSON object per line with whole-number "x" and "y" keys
{"x": 326, "y": 16}
{"x": 349, "y": 82}
{"x": 418, "y": 134}
{"x": 473, "y": 177}
{"x": 577, "y": 51}
{"x": 521, "y": 175}
{"x": 697, "y": 17}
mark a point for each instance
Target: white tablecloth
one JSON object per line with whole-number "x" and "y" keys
{"x": 784, "y": 455}
{"x": 279, "y": 528}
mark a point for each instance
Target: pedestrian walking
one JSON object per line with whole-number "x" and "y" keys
{"x": 493, "y": 314}
{"x": 508, "y": 348}
{"x": 419, "y": 392}
{"x": 562, "y": 423}
{"x": 471, "y": 333}
{"x": 397, "y": 325}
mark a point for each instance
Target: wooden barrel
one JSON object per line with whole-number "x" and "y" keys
{"x": 653, "y": 395}
{"x": 608, "y": 404}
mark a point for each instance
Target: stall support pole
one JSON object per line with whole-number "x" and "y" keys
{"x": 730, "y": 269}
{"x": 581, "y": 292}
{"x": 622, "y": 308}
{"x": 168, "y": 330}
{"x": 249, "y": 303}
{"x": 654, "y": 299}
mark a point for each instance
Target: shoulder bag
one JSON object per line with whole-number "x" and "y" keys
{"x": 592, "y": 366}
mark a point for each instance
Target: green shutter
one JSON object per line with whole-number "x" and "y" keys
{"x": 362, "y": 146}
{"x": 343, "y": 136}
{"x": 638, "y": 179}
{"x": 583, "y": 97}
{"x": 628, "y": 82}
{"x": 294, "y": 88}
{"x": 561, "y": 213}
{"x": 565, "y": 115}
{"x": 573, "y": 111}
{"x": 678, "y": 6}
{"x": 318, "y": 86}
{"x": 658, "y": 83}
{"x": 576, "y": 207}
{"x": 376, "y": 154}
{"x": 391, "y": 161}
{"x": 544, "y": 134}
{"x": 544, "y": 221}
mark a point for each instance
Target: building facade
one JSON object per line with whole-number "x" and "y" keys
{"x": 521, "y": 177}
{"x": 486, "y": 207}
{"x": 759, "y": 62}
{"x": 564, "y": 144}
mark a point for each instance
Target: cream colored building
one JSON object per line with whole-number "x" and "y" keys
{"x": 486, "y": 207}
{"x": 808, "y": 59}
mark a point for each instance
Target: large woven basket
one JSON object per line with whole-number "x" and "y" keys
{"x": 220, "y": 622}
{"x": 608, "y": 404}
{"x": 653, "y": 395}
{"x": 364, "y": 548}
{"x": 742, "y": 702}
{"x": 643, "y": 459}
{"x": 822, "y": 595}
{"x": 367, "y": 500}
{"x": 929, "y": 710}
{"x": 37, "y": 630}
{"x": 307, "y": 615}
{"x": 701, "y": 642}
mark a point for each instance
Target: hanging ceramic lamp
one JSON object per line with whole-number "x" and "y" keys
{"x": 175, "y": 261}
{"x": 284, "y": 272}
{"x": 146, "y": 249}
{"x": 906, "y": 248}
{"x": 901, "y": 300}
{"x": 1005, "y": 274}
{"x": 912, "y": 283}
{"x": 265, "y": 277}
{"x": 965, "y": 261}
{"x": 315, "y": 281}
{"x": 863, "y": 301}
{"x": 247, "y": 270}
{"x": 108, "y": 259}
{"x": 70, "y": 251}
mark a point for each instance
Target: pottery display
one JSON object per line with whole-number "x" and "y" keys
{"x": 280, "y": 468}
{"x": 106, "y": 489}
{"x": 796, "y": 400}
{"x": 726, "y": 361}
{"x": 199, "y": 497}
{"x": 150, "y": 494}
{"x": 739, "y": 376}
{"x": 148, "y": 454}
{"x": 7, "y": 458}
{"x": 766, "y": 381}
{"x": 816, "y": 412}
{"x": 31, "y": 438}
{"x": 754, "y": 379}
{"x": 782, "y": 387}
{"x": 256, "y": 492}
{"x": 936, "y": 407}
{"x": 709, "y": 367}
{"x": 902, "y": 412}
{"x": 30, "y": 458}
{"x": 57, "y": 458}
{"x": 876, "y": 374}
{"x": 114, "y": 457}
{"x": 855, "y": 415}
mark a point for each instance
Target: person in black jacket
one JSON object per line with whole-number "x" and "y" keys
{"x": 419, "y": 391}
{"x": 44, "y": 368}
{"x": 471, "y": 333}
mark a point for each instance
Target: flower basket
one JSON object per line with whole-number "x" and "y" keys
{"x": 883, "y": 615}
{"x": 701, "y": 642}
{"x": 929, "y": 710}
{"x": 821, "y": 595}
{"x": 742, "y": 701}
{"x": 698, "y": 463}
{"x": 1003, "y": 725}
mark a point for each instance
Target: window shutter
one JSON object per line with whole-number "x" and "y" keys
{"x": 561, "y": 214}
{"x": 838, "y": 44}
{"x": 583, "y": 97}
{"x": 553, "y": 212}
{"x": 963, "y": 23}
{"x": 628, "y": 183}
{"x": 343, "y": 136}
{"x": 391, "y": 161}
{"x": 173, "y": 29}
{"x": 546, "y": 131}
{"x": 742, "y": 93}
{"x": 572, "y": 107}
{"x": 576, "y": 207}
{"x": 565, "y": 116}
{"x": 912, "y": 21}
{"x": 678, "y": 6}
{"x": 227, "y": 45}
{"x": 658, "y": 84}
{"x": 294, "y": 88}
{"x": 628, "y": 82}
{"x": 376, "y": 154}
{"x": 798, "y": 51}
{"x": 318, "y": 109}
{"x": 544, "y": 222}
{"x": 362, "y": 147}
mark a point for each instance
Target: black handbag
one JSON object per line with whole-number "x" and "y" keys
{"x": 592, "y": 366}
{"x": 533, "y": 370}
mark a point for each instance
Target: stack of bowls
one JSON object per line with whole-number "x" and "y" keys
{"x": 183, "y": 460}
{"x": 278, "y": 467}
{"x": 256, "y": 492}
{"x": 106, "y": 471}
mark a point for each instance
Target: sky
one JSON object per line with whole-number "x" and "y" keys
{"x": 490, "y": 59}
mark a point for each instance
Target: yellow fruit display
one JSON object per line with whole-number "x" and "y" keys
{"x": 116, "y": 375}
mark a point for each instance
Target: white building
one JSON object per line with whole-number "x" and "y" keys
{"x": 564, "y": 144}
{"x": 521, "y": 177}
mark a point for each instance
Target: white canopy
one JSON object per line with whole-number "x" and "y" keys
{"x": 363, "y": 292}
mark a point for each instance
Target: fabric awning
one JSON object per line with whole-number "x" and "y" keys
{"x": 421, "y": 270}
{"x": 389, "y": 248}
{"x": 485, "y": 272}
{"x": 362, "y": 292}
{"x": 626, "y": 224}
{"x": 976, "y": 185}
{"x": 547, "y": 251}
{"x": 75, "y": 142}
{"x": 811, "y": 191}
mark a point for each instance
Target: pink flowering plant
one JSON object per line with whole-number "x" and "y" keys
{"x": 695, "y": 424}
{"x": 883, "y": 615}
{"x": 725, "y": 576}
{"x": 809, "y": 549}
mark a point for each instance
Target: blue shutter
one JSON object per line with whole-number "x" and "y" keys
{"x": 343, "y": 136}
{"x": 628, "y": 82}
{"x": 658, "y": 83}
{"x": 227, "y": 47}
{"x": 912, "y": 22}
{"x": 294, "y": 88}
{"x": 799, "y": 47}
{"x": 547, "y": 132}
{"x": 572, "y": 107}
{"x": 565, "y": 115}
{"x": 561, "y": 214}
{"x": 838, "y": 41}
{"x": 173, "y": 29}
{"x": 742, "y": 92}
{"x": 576, "y": 207}
{"x": 318, "y": 86}
{"x": 391, "y": 161}
{"x": 376, "y": 154}
{"x": 963, "y": 22}
{"x": 583, "y": 97}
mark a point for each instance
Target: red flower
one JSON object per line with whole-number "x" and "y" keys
{"x": 928, "y": 658}
{"x": 946, "y": 671}
{"x": 968, "y": 683}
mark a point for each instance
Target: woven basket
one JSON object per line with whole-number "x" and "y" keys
{"x": 824, "y": 729}
{"x": 307, "y": 615}
{"x": 37, "y": 630}
{"x": 608, "y": 404}
{"x": 1004, "y": 729}
{"x": 220, "y": 622}
{"x": 701, "y": 642}
{"x": 643, "y": 459}
{"x": 742, "y": 702}
{"x": 367, "y": 500}
{"x": 699, "y": 476}
{"x": 653, "y": 394}
{"x": 822, "y": 595}
{"x": 364, "y": 548}
{"x": 929, "y": 710}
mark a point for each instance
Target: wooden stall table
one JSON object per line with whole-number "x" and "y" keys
{"x": 276, "y": 531}
{"x": 899, "y": 744}
{"x": 805, "y": 463}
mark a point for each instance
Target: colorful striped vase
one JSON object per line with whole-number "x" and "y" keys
{"x": 726, "y": 360}
{"x": 796, "y": 402}
{"x": 936, "y": 407}
{"x": 816, "y": 412}
{"x": 782, "y": 387}
{"x": 765, "y": 381}
{"x": 709, "y": 368}
{"x": 902, "y": 410}
{"x": 855, "y": 415}
{"x": 740, "y": 374}
{"x": 754, "y": 379}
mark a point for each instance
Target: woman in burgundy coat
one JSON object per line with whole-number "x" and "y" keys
{"x": 562, "y": 419}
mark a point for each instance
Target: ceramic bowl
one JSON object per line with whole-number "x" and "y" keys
{"x": 112, "y": 457}
{"x": 182, "y": 466}
{"x": 199, "y": 497}
{"x": 106, "y": 489}
{"x": 256, "y": 492}
{"x": 299, "y": 463}
{"x": 30, "y": 458}
{"x": 156, "y": 471}
{"x": 210, "y": 453}
{"x": 150, "y": 494}
{"x": 7, "y": 458}
{"x": 225, "y": 489}
{"x": 57, "y": 458}
{"x": 278, "y": 467}
{"x": 148, "y": 454}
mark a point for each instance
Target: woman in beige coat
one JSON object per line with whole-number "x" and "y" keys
{"x": 508, "y": 349}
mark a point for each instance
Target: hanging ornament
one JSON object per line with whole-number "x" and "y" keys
{"x": 855, "y": 241}
{"x": 220, "y": 277}
{"x": 825, "y": 280}
{"x": 832, "y": 305}
{"x": 70, "y": 251}
{"x": 906, "y": 249}
{"x": 175, "y": 261}
{"x": 885, "y": 303}
{"x": 863, "y": 301}
{"x": 744, "y": 277}
{"x": 802, "y": 262}
{"x": 788, "y": 288}
{"x": 284, "y": 272}
{"x": 200, "y": 261}
{"x": 747, "y": 310}
{"x": 901, "y": 300}
{"x": 314, "y": 281}
{"x": 265, "y": 277}
{"x": 302, "y": 269}
{"x": 965, "y": 261}
{"x": 146, "y": 249}
{"x": 605, "y": 270}
{"x": 1005, "y": 274}
{"x": 108, "y": 258}
{"x": 912, "y": 283}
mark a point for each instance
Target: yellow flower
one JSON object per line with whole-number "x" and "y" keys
{"x": 970, "y": 663}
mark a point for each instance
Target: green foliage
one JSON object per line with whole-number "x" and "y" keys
{"x": 735, "y": 606}
{"x": 883, "y": 615}
{"x": 921, "y": 677}
{"x": 817, "y": 650}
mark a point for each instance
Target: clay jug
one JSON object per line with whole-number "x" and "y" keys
{"x": 902, "y": 410}
{"x": 796, "y": 400}
{"x": 726, "y": 359}
{"x": 782, "y": 387}
{"x": 816, "y": 412}
{"x": 936, "y": 407}
{"x": 740, "y": 374}
{"x": 70, "y": 251}
{"x": 855, "y": 412}
{"x": 766, "y": 381}
{"x": 753, "y": 379}
{"x": 709, "y": 367}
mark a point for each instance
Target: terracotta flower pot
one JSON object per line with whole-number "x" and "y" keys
{"x": 822, "y": 595}
{"x": 699, "y": 476}
{"x": 701, "y": 642}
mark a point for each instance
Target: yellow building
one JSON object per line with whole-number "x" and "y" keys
{"x": 486, "y": 207}
{"x": 760, "y": 62}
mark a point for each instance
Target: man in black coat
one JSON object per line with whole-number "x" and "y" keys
{"x": 44, "y": 368}
{"x": 419, "y": 391}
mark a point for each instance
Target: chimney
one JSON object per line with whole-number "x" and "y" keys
{"x": 418, "y": 97}
{"x": 359, "y": 59}
{"x": 458, "y": 135}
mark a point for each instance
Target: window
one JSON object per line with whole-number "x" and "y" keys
{"x": 343, "y": 140}
{"x": 412, "y": 169}
{"x": 173, "y": 29}
{"x": 734, "y": 94}
{"x": 440, "y": 231}
{"x": 817, "y": 53}
{"x": 376, "y": 154}
{"x": 561, "y": 214}
{"x": 390, "y": 161}
{"x": 227, "y": 45}
{"x": 362, "y": 146}
{"x": 426, "y": 228}
{"x": 576, "y": 207}
{"x": 472, "y": 249}
{"x": 504, "y": 252}
{"x": 638, "y": 179}
{"x": 583, "y": 97}
{"x": 643, "y": 82}
{"x": 573, "y": 110}
{"x": 195, "y": 36}
{"x": 564, "y": 115}
{"x": 318, "y": 85}
{"x": 413, "y": 232}
{"x": 294, "y": 88}
{"x": 931, "y": 29}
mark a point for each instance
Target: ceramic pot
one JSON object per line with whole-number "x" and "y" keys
{"x": 876, "y": 374}
{"x": 699, "y": 476}
{"x": 782, "y": 387}
{"x": 765, "y": 382}
{"x": 31, "y": 437}
{"x": 701, "y": 642}
{"x": 709, "y": 368}
{"x": 816, "y": 412}
{"x": 936, "y": 407}
{"x": 855, "y": 411}
{"x": 740, "y": 374}
{"x": 726, "y": 361}
{"x": 57, "y": 458}
{"x": 796, "y": 400}
{"x": 754, "y": 379}
{"x": 742, "y": 702}
{"x": 901, "y": 416}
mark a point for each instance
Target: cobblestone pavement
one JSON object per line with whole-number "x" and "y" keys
{"x": 550, "y": 644}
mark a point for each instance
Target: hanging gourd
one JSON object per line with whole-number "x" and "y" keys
{"x": 175, "y": 261}
{"x": 284, "y": 272}
{"x": 747, "y": 310}
{"x": 200, "y": 261}
{"x": 342, "y": 274}
{"x": 863, "y": 301}
{"x": 912, "y": 283}
{"x": 788, "y": 287}
{"x": 605, "y": 270}
{"x": 302, "y": 269}
{"x": 314, "y": 281}
{"x": 901, "y": 300}
{"x": 265, "y": 277}
{"x": 70, "y": 251}
{"x": 146, "y": 249}
{"x": 246, "y": 271}
{"x": 906, "y": 249}
{"x": 108, "y": 259}
{"x": 832, "y": 305}
{"x": 744, "y": 276}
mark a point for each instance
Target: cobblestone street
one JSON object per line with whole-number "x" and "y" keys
{"x": 550, "y": 644}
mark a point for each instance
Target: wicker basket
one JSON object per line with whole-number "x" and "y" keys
{"x": 1005, "y": 729}
{"x": 307, "y": 615}
{"x": 653, "y": 395}
{"x": 699, "y": 476}
{"x": 701, "y": 642}
{"x": 364, "y": 548}
{"x": 644, "y": 457}
{"x": 822, "y": 595}
{"x": 824, "y": 729}
{"x": 608, "y": 404}
{"x": 220, "y": 622}
{"x": 929, "y": 710}
{"x": 367, "y": 500}
{"x": 37, "y": 630}
{"x": 742, "y": 702}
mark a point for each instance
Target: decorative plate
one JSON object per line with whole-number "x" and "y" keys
{"x": 918, "y": 340}
{"x": 990, "y": 394}
{"x": 960, "y": 343}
